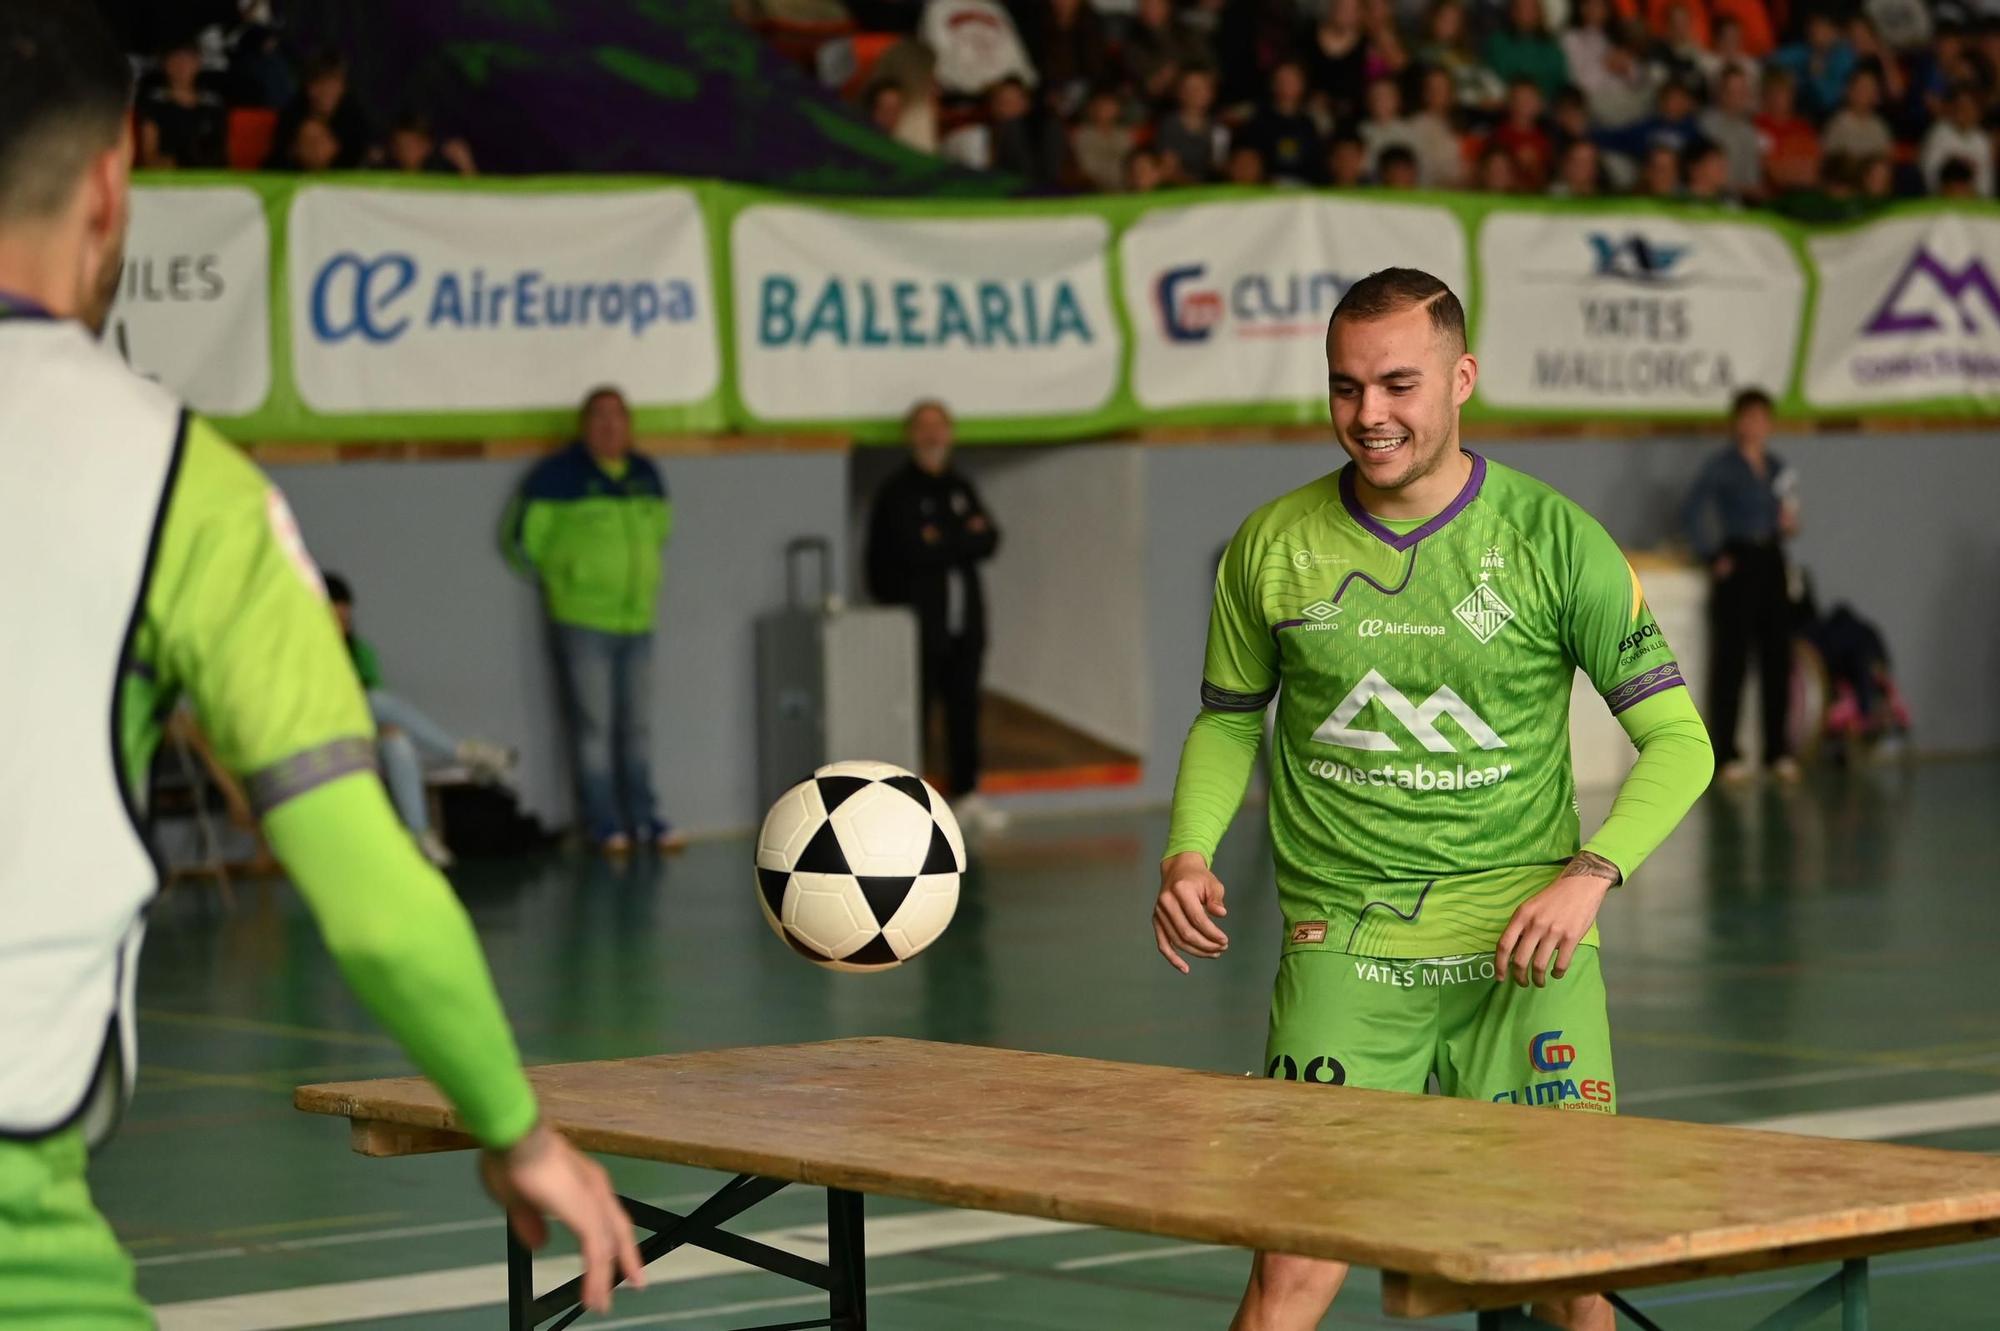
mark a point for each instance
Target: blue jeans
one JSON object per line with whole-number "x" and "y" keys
{"x": 606, "y": 682}
{"x": 415, "y": 738}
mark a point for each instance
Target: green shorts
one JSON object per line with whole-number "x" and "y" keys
{"x": 1343, "y": 1020}
{"x": 61, "y": 1268}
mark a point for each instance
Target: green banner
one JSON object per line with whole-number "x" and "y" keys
{"x": 389, "y": 308}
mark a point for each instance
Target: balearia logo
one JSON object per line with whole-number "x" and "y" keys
{"x": 1381, "y": 628}
{"x": 1260, "y": 304}
{"x": 380, "y": 299}
{"x": 907, "y": 314}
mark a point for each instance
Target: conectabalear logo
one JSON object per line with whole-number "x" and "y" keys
{"x": 1955, "y": 282}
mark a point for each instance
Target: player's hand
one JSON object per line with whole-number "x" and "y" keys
{"x": 1722, "y": 566}
{"x": 1189, "y": 896}
{"x": 931, "y": 534}
{"x": 543, "y": 1175}
{"x": 1547, "y": 926}
{"x": 977, "y": 524}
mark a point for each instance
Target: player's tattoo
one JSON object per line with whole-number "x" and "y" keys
{"x": 1587, "y": 865}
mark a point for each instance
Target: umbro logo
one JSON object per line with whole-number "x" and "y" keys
{"x": 1320, "y": 611}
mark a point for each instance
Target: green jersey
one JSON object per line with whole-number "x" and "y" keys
{"x": 1421, "y": 783}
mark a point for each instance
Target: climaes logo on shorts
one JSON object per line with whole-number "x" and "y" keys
{"x": 1548, "y": 1053}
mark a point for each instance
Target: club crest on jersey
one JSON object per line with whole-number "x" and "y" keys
{"x": 1483, "y": 612}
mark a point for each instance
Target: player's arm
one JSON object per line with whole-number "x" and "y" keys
{"x": 1239, "y": 679}
{"x": 235, "y": 617}
{"x": 1613, "y": 637}
{"x": 1694, "y": 514}
{"x": 978, "y": 537}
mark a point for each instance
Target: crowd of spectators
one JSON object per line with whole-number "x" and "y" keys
{"x": 1820, "y": 109}
{"x": 219, "y": 85}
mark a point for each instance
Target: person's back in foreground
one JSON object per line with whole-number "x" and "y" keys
{"x": 165, "y": 564}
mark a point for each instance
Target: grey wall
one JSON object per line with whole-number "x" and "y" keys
{"x": 1897, "y": 524}
{"x": 462, "y": 636}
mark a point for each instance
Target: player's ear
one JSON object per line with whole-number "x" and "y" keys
{"x": 107, "y": 188}
{"x": 1464, "y": 377}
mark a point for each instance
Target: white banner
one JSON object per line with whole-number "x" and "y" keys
{"x": 1633, "y": 311}
{"x": 194, "y": 303}
{"x": 1229, "y": 301}
{"x": 1909, "y": 308}
{"x": 443, "y": 300}
{"x": 841, "y": 317}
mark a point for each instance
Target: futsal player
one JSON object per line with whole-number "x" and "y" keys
{"x": 146, "y": 559}
{"x": 1419, "y": 616}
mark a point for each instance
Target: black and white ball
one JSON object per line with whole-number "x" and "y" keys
{"x": 858, "y": 866}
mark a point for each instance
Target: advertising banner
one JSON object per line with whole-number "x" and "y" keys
{"x": 1633, "y": 312}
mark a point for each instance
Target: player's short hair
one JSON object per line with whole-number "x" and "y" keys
{"x": 337, "y": 590}
{"x": 1747, "y": 399}
{"x": 64, "y": 90}
{"x": 602, "y": 390}
{"x": 1393, "y": 290}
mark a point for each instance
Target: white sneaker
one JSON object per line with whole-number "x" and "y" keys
{"x": 434, "y": 849}
{"x": 1735, "y": 772}
{"x": 1787, "y": 770}
{"x": 978, "y": 817}
{"x": 489, "y": 762}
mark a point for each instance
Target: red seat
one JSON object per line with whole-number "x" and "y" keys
{"x": 251, "y": 130}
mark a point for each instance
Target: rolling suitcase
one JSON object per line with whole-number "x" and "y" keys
{"x": 833, "y": 682}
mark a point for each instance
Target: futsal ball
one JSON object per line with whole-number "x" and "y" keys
{"x": 857, "y": 866}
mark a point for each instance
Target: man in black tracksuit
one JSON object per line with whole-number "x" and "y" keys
{"x": 927, "y": 535}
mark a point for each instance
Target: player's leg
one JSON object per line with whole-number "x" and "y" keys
{"x": 632, "y": 683}
{"x": 1336, "y": 1020}
{"x": 1549, "y": 1047}
{"x": 61, "y": 1268}
{"x": 1774, "y": 656}
{"x": 965, "y": 657}
{"x": 583, "y": 672}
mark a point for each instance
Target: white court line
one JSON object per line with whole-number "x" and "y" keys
{"x": 795, "y": 1301}
{"x": 1822, "y": 1077}
{"x": 1907, "y": 1118}
{"x": 486, "y": 1285}
{"x": 1137, "y": 1255}
{"x": 489, "y": 1221}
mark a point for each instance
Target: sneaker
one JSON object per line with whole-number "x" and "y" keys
{"x": 434, "y": 849}
{"x": 488, "y": 762}
{"x": 977, "y": 817}
{"x": 1735, "y": 772}
{"x": 1787, "y": 770}
{"x": 616, "y": 846}
{"x": 664, "y": 837}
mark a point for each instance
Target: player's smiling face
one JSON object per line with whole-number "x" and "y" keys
{"x": 1395, "y": 387}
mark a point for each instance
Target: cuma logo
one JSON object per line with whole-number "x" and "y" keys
{"x": 1264, "y": 304}
{"x": 1549, "y": 1056}
{"x": 1926, "y": 272}
{"x": 1339, "y": 729}
{"x": 1633, "y": 258}
{"x": 1187, "y": 313}
{"x": 366, "y": 298}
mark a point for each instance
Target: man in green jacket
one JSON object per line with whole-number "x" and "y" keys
{"x": 589, "y": 524}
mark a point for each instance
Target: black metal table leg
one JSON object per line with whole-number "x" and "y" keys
{"x": 846, "y": 1260}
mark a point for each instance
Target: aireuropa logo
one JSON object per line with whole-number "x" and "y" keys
{"x": 380, "y": 298}
{"x": 1549, "y": 1055}
{"x": 1634, "y": 258}
{"x": 908, "y": 314}
{"x": 1926, "y": 274}
{"x": 1258, "y": 304}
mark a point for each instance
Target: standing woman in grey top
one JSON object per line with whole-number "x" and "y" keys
{"x": 1741, "y": 510}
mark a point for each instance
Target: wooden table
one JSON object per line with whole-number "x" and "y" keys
{"x": 1461, "y": 1204}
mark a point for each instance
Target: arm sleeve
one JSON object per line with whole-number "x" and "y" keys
{"x": 406, "y": 948}
{"x": 1613, "y": 637}
{"x": 239, "y": 622}
{"x": 1239, "y": 678}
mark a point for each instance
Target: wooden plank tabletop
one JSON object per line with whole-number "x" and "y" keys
{"x": 1440, "y": 1191}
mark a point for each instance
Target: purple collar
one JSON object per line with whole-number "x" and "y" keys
{"x": 20, "y": 307}
{"x": 1367, "y": 521}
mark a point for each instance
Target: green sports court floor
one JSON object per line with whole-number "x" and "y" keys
{"x": 1831, "y": 952}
